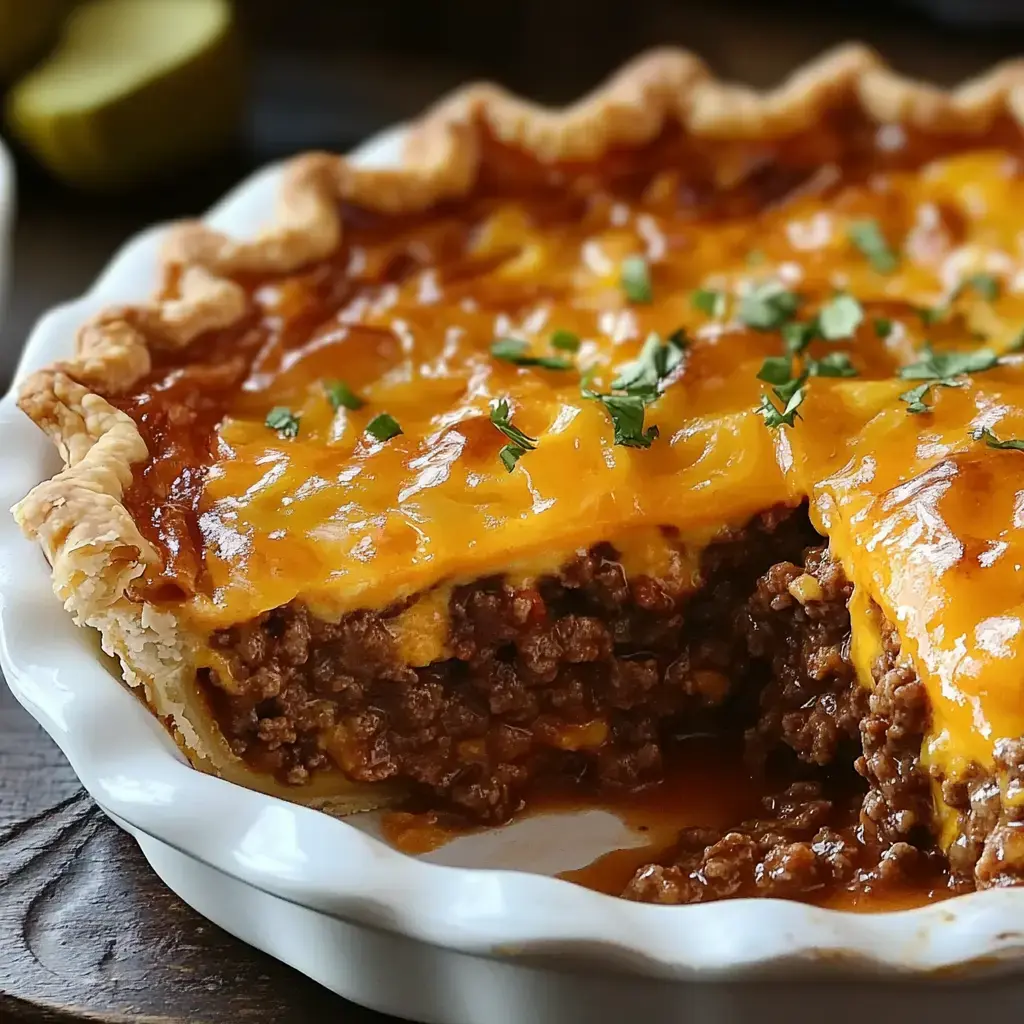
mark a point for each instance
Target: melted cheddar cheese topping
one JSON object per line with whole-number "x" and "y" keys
{"x": 927, "y": 520}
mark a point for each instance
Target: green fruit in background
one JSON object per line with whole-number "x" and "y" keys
{"x": 27, "y": 29}
{"x": 133, "y": 90}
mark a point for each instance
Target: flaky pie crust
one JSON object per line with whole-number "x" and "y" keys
{"x": 94, "y": 547}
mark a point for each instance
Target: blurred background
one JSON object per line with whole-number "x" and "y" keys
{"x": 120, "y": 113}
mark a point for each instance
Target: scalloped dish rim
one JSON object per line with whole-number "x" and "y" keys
{"x": 132, "y": 768}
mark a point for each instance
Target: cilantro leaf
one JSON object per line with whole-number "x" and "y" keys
{"x": 986, "y": 285}
{"x": 883, "y": 326}
{"x": 512, "y": 350}
{"x": 840, "y": 318}
{"x": 940, "y": 369}
{"x": 656, "y": 361}
{"x": 834, "y": 364}
{"x": 709, "y": 301}
{"x": 777, "y": 370}
{"x": 944, "y": 365}
{"x": 635, "y": 279}
{"x": 283, "y": 420}
{"x": 790, "y": 396}
{"x": 768, "y": 306}
{"x": 565, "y": 341}
{"x": 510, "y": 454}
{"x": 915, "y": 397}
{"x": 797, "y": 336}
{"x": 640, "y": 380}
{"x": 786, "y": 390}
{"x": 868, "y": 237}
{"x": 627, "y": 415}
{"x": 521, "y": 443}
{"x": 986, "y": 435}
{"x": 383, "y": 427}
{"x": 340, "y": 395}
{"x": 931, "y": 315}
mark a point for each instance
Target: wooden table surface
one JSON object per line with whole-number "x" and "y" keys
{"x": 87, "y": 932}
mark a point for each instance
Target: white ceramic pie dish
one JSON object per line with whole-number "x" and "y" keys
{"x": 411, "y": 937}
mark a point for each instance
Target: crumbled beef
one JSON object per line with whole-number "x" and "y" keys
{"x": 898, "y": 805}
{"x": 988, "y": 851}
{"x": 796, "y": 627}
{"x": 792, "y": 852}
{"x": 797, "y": 622}
{"x": 581, "y": 673}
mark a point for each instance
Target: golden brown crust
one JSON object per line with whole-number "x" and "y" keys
{"x": 94, "y": 546}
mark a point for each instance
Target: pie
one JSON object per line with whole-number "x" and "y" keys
{"x": 684, "y": 409}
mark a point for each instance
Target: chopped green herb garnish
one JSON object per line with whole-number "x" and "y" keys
{"x": 565, "y": 341}
{"x": 934, "y": 314}
{"x": 768, "y": 306}
{"x": 340, "y": 395}
{"x": 940, "y": 370}
{"x": 986, "y": 285}
{"x": 790, "y": 396}
{"x": 915, "y": 397}
{"x": 867, "y": 236}
{"x": 635, "y": 279}
{"x": 788, "y": 391}
{"x": 834, "y": 364}
{"x": 640, "y": 380}
{"x": 510, "y": 454}
{"x": 383, "y": 427}
{"x": 755, "y": 257}
{"x": 797, "y": 336}
{"x": 883, "y": 326}
{"x": 283, "y": 420}
{"x": 944, "y": 365}
{"x": 520, "y": 443}
{"x": 777, "y": 370}
{"x": 656, "y": 361}
{"x": 840, "y": 318}
{"x": 709, "y": 301}
{"x": 790, "y": 388}
{"x": 512, "y": 350}
{"x": 986, "y": 435}
{"x": 627, "y": 413}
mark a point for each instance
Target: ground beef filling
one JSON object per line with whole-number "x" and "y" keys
{"x": 988, "y": 850}
{"x": 583, "y": 674}
{"x": 590, "y": 675}
{"x": 802, "y": 846}
{"x": 820, "y": 832}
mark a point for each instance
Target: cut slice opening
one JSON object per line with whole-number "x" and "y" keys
{"x": 475, "y": 698}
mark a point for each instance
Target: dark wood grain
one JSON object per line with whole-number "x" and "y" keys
{"x": 87, "y": 930}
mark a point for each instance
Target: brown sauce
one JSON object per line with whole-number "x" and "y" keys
{"x": 706, "y": 784}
